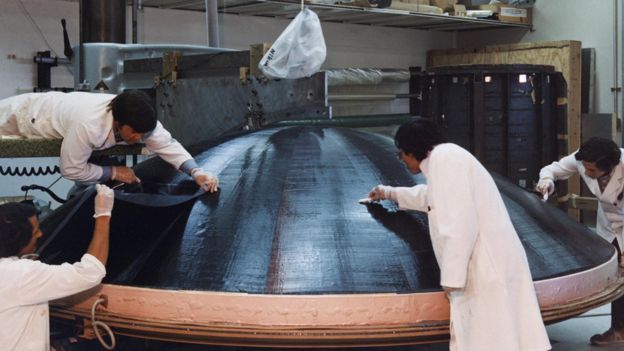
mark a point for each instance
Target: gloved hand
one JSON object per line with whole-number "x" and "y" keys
{"x": 124, "y": 175}
{"x": 382, "y": 192}
{"x": 545, "y": 186}
{"x": 103, "y": 201}
{"x": 206, "y": 180}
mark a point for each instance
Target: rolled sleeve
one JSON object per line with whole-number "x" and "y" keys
{"x": 562, "y": 169}
{"x": 166, "y": 147}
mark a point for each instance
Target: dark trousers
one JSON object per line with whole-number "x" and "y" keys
{"x": 617, "y": 306}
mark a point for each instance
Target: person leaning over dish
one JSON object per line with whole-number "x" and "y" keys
{"x": 93, "y": 121}
{"x": 599, "y": 163}
{"x": 27, "y": 286}
{"x": 483, "y": 267}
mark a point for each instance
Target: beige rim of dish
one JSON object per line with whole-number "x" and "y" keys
{"x": 311, "y": 320}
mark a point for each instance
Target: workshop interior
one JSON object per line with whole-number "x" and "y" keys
{"x": 283, "y": 256}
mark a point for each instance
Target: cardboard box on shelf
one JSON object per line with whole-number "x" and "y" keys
{"x": 403, "y": 5}
{"x": 508, "y": 13}
{"x": 445, "y": 5}
{"x": 515, "y": 15}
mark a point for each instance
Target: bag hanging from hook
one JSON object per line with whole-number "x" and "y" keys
{"x": 299, "y": 51}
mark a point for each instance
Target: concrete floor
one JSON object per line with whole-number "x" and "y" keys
{"x": 570, "y": 335}
{"x": 574, "y": 334}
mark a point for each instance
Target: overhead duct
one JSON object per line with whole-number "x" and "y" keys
{"x": 103, "y": 21}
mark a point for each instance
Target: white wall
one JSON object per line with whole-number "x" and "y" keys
{"x": 590, "y": 22}
{"x": 28, "y": 26}
{"x": 26, "y": 29}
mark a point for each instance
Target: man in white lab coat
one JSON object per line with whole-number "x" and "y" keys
{"x": 27, "y": 286}
{"x": 91, "y": 121}
{"x": 599, "y": 162}
{"x": 483, "y": 267}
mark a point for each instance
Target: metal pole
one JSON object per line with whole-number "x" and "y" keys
{"x": 615, "y": 65}
{"x": 135, "y": 10}
{"x": 616, "y": 45}
{"x": 103, "y": 21}
{"x": 212, "y": 23}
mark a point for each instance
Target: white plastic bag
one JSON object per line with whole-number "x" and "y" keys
{"x": 299, "y": 51}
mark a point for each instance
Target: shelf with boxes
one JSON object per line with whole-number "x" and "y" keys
{"x": 507, "y": 13}
{"x": 436, "y": 15}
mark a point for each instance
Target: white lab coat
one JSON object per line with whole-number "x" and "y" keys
{"x": 84, "y": 123}
{"x": 610, "y": 218}
{"x": 25, "y": 289}
{"x": 478, "y": 251}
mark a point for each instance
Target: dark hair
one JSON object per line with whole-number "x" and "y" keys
{"x": 135, "y": 109}
{"x": 603, "y": 152}
{"x": 15, "y": 228}
{"x": 418, "y": 137}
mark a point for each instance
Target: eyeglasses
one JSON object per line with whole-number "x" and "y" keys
{"x": 399, "y": 154}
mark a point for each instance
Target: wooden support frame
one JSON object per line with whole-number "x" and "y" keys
{"x": 565, "y": 56}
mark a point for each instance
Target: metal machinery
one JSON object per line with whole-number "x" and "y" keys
{"x": 201, "y": 93}
{"x": 203, "y": 96}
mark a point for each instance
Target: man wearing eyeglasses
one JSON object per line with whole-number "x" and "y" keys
{"x": 90, "y": 121}
{"x": 599, "y": 163}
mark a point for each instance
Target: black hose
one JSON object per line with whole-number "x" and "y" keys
{"x": 29, "y": 171}
{"x": 44, "y": 189}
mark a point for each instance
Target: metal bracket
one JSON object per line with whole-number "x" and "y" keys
{"x": 243, "y": 75}
{"x": 170, "y": 68}
{"x": 254, "y": 116}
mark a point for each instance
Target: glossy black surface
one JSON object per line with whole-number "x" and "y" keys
{"x": 286, "y": 220}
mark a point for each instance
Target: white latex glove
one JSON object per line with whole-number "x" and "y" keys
{"x": 545, "y": 186}
{"x": 103, "y": 201}
{"x": 206, "y": 180}
{"x": 382, "y": 192}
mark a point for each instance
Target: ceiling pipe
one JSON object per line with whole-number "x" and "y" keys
{"x": 616, "y": 45}
{"x": 616, "y": 74}
{"x": 101, "y": 21}
{"x": 135, "y": 11}
{"x": 212, "y": 23}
